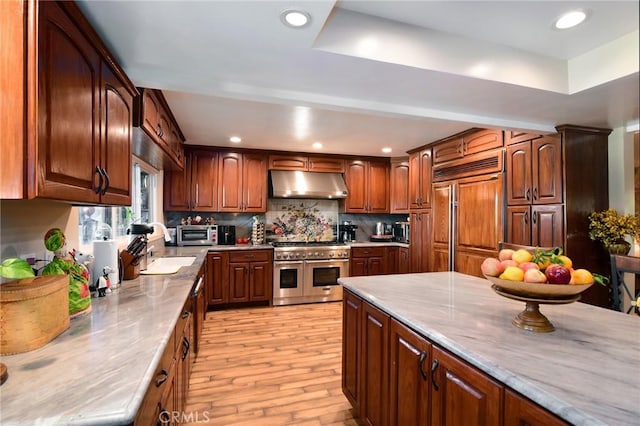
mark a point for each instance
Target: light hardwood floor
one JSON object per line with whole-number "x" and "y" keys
{"x": 271, "y": 366}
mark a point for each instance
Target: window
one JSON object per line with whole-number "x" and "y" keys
{"x": 112, "y": 222}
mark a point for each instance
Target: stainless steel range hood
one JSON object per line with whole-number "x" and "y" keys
{"x": 297, "y": 184}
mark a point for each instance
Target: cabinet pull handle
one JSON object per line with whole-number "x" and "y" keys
{"x": 528, "y": 194}
{"x": 164, "y": 417}
{"x": 160, "y": 131}
{"x": 185, "y": 347}
{"x": 100, "y": 182}
{"x": 186, "y": 314}
{"x": 535, "y": 193}
{"x": 106, "y": 183}
{"x": 526, "y": 218}
{"x": 197, "y": 194}
{"x": 423, "y": 357}
{"x": 163, "y": 376}
{"x": 434, "y": 367}
{"x": 535, "y": 217}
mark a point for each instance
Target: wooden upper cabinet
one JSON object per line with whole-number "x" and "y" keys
{"x": 115, "y": 146}
{"x": 90, "y": 161}
{"x": 449, "y": 150}
{"x": 461, "y": 394}
{"x": 177, "y": 188}
{"x": 483, "y": 140}
{"x": 323, "y": 164}
{"x": 534, "y": 172}
{"x": 468, "y": 144}
{"x": 399, "y": 186}
{"x": 420, "y": 179}
{"x": 515, "y": 136}
{"x": 288, "y": 162}
{"x": 368, "y": 186}
{"x": 254, "y": 183}
{"x": 204, "y": 181}
{"x": 151, "y": 112}
{"x": 242, "y": 182}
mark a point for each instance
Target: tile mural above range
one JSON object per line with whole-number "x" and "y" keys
{"x": 302, "y": 220}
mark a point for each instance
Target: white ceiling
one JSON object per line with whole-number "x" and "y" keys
{"x": 369, "y": 74}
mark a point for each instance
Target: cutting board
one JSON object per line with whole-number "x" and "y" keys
{"x": 161, "y": 270}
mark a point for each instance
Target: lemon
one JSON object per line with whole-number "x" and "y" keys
{"x": 512, "y": 273}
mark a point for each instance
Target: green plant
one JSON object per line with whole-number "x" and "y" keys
{"x": 610, "y": 227}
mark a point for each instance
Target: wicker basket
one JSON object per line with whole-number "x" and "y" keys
{"x": 33, "y": 311}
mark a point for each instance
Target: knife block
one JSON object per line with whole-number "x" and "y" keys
{"x": 130, "y": 266}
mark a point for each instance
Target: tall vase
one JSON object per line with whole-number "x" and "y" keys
{"x": 619, "y": 247}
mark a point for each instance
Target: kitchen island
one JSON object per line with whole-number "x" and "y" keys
{"x": 586, "y": 372}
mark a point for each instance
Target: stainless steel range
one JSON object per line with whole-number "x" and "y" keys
{"x": 308, "y": 272}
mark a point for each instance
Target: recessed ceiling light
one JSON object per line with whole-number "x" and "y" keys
{"x": 235, "y": 139}
{"x": 295, "y": 18}
{"x": 386, "y": 150}
{"x": 570, "y": 19}
{"x": 317, "y": 145}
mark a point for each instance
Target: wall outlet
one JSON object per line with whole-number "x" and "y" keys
{"x": 29, "y": 257}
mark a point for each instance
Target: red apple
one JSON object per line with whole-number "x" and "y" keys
{"x": 534, "y": 276}
{"x": 505, "y": 254}
{"x": 557, "y": 274}
{"x": 525, "y": 266}
{"x": 491, "y": 267}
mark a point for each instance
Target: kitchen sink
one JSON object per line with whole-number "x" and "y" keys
{"x": 168, "y": 265}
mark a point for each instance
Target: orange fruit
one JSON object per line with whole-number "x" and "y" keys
{"x": 566, "y": 262}
{"x": 581, "y": 276}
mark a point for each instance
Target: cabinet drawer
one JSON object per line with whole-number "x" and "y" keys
{"x": 250, "y": 256}
{"x": 368, "y": 251}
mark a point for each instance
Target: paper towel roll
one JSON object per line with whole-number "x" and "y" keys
{"x": 106, "y": 254}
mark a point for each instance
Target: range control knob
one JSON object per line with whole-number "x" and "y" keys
{"x": 331, "y": 254}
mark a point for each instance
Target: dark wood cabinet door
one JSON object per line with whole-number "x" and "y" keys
{"x": 204, "y": 181}
{"x": 400, "y": 187}
{"x": 519, "y": 186}
{"x": 374, "y": 404}
{"x": 254, "y": 183}
{"x": 403, "y": 260}
{"x": 479, "y": 212}
{"x": 391, "y": 258}
{"x": 351, "y": 347}
{"x": 261, "y": 281}
{"x": 239, "y": 278}
{"x": 483, "y": 140}
{"x": 288, "y": 162}
{"x": 377, "y": 266}
{"x": 442, "y": 201}
{"x": 414, "y": 181}
{"x": 68, "y": 110}
{"x": 420, "y": 241}
{"x": 177, "y": 188}
{"x": 326, "y": 164}
{"x": 409, "y": 378}
{"x": 449, "y": 150}
{"x": 356, "y": 181}
{"x": 425, "y": 178}
{"x": 115, "y": 147}
{"x": 229, "y": 182}
{"x": 519, "y": 411}
{"x": 151, "y": 107}
{"x": 461, "y": 395}
{"x": 519, "y": 225}
{"x": 358, "y": 267}
{"x": 515, "y": 136}
{"x": 217, "y": 278}
{"x": 378, "y": 187}
{"x": 547, "y": 225}
{"x": 547, "y": 170}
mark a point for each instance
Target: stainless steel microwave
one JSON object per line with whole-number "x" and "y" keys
{"x": 197, "y": 235}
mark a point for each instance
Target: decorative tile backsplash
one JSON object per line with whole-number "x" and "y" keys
{"x": 302, "y": 220}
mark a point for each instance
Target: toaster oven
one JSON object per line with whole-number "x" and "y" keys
{"x": 197, "y": 235}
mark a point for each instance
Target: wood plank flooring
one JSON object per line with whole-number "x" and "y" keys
{"x": 270, "y": 366}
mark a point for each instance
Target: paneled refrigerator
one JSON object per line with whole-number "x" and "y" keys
{"x": 467, "y": 222}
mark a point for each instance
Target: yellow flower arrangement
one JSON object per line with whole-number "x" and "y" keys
{"x": 611, "y": 228}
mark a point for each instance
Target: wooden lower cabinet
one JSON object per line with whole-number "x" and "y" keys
{"x": 403, "y": 260}
{"x": 239, "y": 277}
{"x": 420, "y": 246}
{"x": 408, "y": 383}
{"x": 519, "y": 411}
{"x": 540, "y": 225}
{"x": 462, "y": 395}
{"x": 391, "y": 375}
{"x": 369, "y": 261}
{"x": 374, "y": 403}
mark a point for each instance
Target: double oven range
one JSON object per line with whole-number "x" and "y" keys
{"x": 308, "y": 272}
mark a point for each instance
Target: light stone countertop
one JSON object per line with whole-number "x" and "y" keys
{"x": 375, "y": 244}
{"x": 587, "y": 371}
{"x": 97, "y": 371}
